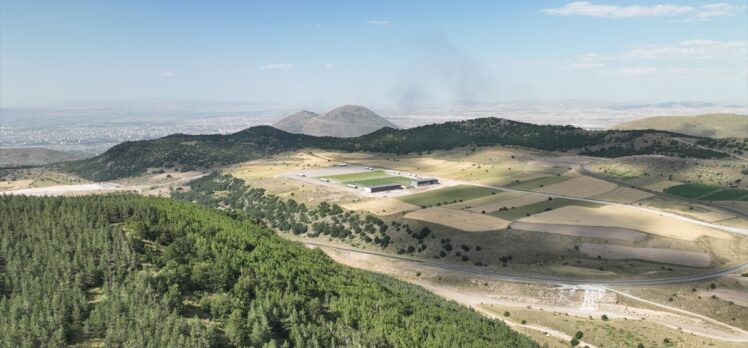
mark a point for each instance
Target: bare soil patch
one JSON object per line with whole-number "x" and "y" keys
{"x": 626, "y": 217}
{"x": 385, "y": 206}
{"x": 581, "y": 231}
{"x": 675, "y": 257}
{"x": 583, "y": 186}
{"x": 462, "y": 220}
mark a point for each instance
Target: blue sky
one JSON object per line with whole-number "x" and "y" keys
{"x": 379, "y": 53}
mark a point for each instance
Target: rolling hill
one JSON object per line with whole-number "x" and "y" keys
{"x": 33, "y": 156}
{"x": 343, "y": 122}
{"x": 711, "y": 125}
{"x": 189, "y": 152}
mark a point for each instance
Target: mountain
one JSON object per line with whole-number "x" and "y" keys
{"x": 295, "y": 123}
{"x": 132, "y": 271}
{"x": 32, "y": 156}
{"x": 189, "y": 152}
{"x": 710, "y": 125}
{"x": 344, "y": 122}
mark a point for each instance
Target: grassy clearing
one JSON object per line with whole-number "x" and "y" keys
{"x": 692, "y": 190}
{"x": 727, "y": 195}
{"x": 540, "y": 207}
{"x": 538, "y": 182}
{"x": 447, "y": 195}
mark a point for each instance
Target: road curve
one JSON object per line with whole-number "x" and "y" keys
{"x": 541, "y": 278}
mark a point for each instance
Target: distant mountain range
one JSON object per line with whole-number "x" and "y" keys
{"x": 712, "y": 125}
{"x": 189, "y": 152}
{"x": 344, "y": 122}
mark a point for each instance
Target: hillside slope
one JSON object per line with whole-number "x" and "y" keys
{"x": 191, "y": 151}
{"x": 711, "y": 125}
{"x": 344, "y": 122}
{"x": 32, "y": 156}
{"x": 129, "y": 271}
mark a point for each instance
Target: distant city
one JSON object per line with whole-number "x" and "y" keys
{"x": 93, "y": 130}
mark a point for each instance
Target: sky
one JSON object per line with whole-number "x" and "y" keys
{"x": 379, "y": 53}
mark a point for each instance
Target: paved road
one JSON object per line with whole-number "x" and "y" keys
{"x": 541, "y": 278}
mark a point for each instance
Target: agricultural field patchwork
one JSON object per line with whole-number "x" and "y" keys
{"x": 538, "y": 182}
{"x": 514, "y": 213}
{"x": 448, "y": 195}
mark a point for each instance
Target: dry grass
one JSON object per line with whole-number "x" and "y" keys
{"x": 384, "y": 206}
{"x": 515, "y": 201}
{"x": 627, "y": 217}
{"x": 581, "y": 231}
{"x": 668, "y": 256}
{"x": 461, "y": 220}
{"x": 582, "y": 186}
{"x": 624, "y": 195}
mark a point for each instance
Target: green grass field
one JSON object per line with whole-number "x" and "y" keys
{"x": 536, "y": 208}
{"x": 693, "y": 191}
{"x": 708, "y": 192}
{"x": 727, "y": 195}
{"x": 370, "y": 178}
{"x": 538, "y": 182}
{"x": 447, "y": 195}
{"x": 348, "y": 178}
{"x": 381, "y": 181}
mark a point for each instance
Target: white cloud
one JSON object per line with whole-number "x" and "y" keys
{"x": 329, "y": 66}
{"x": 635, "y": 71}
{"x": 691, "y": 49}
{"x": 279, "y": 67}
{"x": 167, "y": 74}
{"x": 314, "y": 26}
{"x": 586, "y": 8}
{"x": 378, "y": 22}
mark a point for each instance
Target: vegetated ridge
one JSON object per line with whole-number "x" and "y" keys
{"x": 33, "y": 156}
{"x": 710, "y": 125}
{"x": 190, "y": 152}
{"x": 131, "y": 271}
{"x": 344, "y": 122}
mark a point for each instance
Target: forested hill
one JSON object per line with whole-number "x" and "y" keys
{"x": 194, "y": 151}
{"x": 128, "y": 271}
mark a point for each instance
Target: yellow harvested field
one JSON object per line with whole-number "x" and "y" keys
{"x": 709, "y": 216}
{"x": 517, "y": 201}
{"x": 385, "y": 206}
{"x": 626, "y": 217}
{"x": 624, "y": 195}
{"x": 670, "y": 256}
{"x": 583, "y": 186}
{"x": 461, "y": 220}
{"x": 581, "y": 231}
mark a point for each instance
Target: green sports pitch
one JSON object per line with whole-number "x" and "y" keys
{"x": 370, "y": 178}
